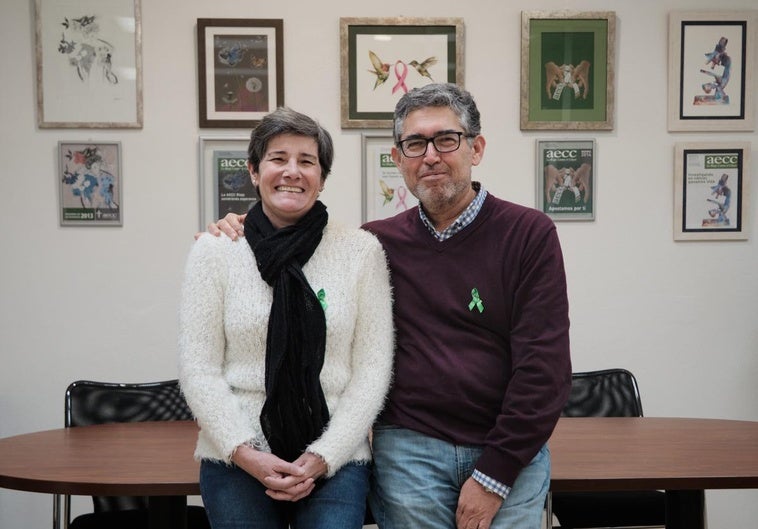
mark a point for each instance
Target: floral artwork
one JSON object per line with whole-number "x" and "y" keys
{"x": 86, "y": 50}
{"x": 90, "y": 183}
{"x": 89, "y": 64}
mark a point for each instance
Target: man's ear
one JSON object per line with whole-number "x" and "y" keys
{"x": 395, "y": 154}
{"x": 477, "y": 149}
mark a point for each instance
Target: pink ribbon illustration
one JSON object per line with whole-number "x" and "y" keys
{"x": 401, "y": 194}
{"x": 400, "y": 77}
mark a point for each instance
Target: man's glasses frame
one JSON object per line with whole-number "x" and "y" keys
{"x": 444, "y": 142}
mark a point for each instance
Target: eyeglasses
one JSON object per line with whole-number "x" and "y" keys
{"x": 443, "y": 142}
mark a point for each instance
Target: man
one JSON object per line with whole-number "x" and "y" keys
{"x": 482, "y": 367}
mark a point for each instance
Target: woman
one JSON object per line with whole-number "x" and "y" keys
{"x": 286, "y": 346}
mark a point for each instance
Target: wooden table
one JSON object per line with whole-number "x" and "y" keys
{"x": 127, "y": 459}
{"x": 681, "y": 456}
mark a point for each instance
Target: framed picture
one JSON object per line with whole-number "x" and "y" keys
{"x": 89, "y": 183}
{"x": 383, "y": 187}
{"x": 711, "y": 63}
{"x": 711, "y": 191}
{"x": 567, "y": 70}
{"x": 383, "y": 58}
{"x": 240, "y": 70}
{"x": 225, "y": 184}
{"x": 89, "y": 64}
{"x": 566, "y": 179}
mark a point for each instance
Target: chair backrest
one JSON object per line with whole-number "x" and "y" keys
{"x": 89, "y": 402}
{"x": 606, "y": 393}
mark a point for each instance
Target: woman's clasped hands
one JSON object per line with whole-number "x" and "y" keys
{"x": 284, "y": 481}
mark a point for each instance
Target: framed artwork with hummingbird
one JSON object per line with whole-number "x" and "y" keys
{"x": 383, "y": 189}
{"x": 383, "y": 58}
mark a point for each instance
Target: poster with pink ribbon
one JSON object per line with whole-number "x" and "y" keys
{"x": 383, "y": 187}
{"x": 382, "y": 59}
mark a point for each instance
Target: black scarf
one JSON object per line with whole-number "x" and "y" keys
{"x": 295, "y": 412}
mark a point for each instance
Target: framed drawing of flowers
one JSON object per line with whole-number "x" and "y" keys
{"x": 240, "y": 70}
{"x": 383, "y": 58}
{"x": 90, "y": 183}
{"x": 89, "y": 64}
{"x": 712, "y": 55}
{"x": 567, "y": 70}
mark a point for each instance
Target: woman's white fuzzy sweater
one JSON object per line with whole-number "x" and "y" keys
{"x": 222, "y": 342}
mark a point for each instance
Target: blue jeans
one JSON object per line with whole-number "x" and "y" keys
{"x": 234, "y": 499}
{"x": 417, "y": 480}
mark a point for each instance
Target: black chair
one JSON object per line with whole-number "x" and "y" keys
{"x": 607, "y": 393}
{"x": 89, "y": 403}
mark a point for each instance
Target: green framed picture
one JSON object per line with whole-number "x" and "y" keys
{"x": 567, "y": 70}
{"x": 383, "y": 58}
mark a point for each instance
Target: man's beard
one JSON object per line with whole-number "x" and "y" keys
{"x": 437, "y": 197}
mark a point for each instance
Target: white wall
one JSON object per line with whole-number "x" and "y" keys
{"x": 101, "y": 303}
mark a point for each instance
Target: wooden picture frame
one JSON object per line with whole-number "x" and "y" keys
{"x": 383, "y": 189}
{"x": 90, "y": 183}
{"x": 712, "y": 58}
{"x": 240, "y": 70}
{"x": 89, "y": 64}
{"x": 223, "y": 179}
{"x": 566, "y": 178}
{"x": 383, "y": 58}
{"x": 711, "y": 191}
{"x": 567, "y": 70}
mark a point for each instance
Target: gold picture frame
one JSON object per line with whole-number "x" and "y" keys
{"x": 89, "y": 64}
{"x": 567, "y": 70}
{"x": 418, "y": 51}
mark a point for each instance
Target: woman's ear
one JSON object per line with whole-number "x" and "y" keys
{"x": 253, "y": 174}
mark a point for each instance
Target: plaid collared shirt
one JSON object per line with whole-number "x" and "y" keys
{"x": 464, "y": 219}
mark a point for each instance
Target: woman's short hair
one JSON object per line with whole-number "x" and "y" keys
{"x": 284, "y": 120}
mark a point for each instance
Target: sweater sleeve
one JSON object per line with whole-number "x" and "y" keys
{"x": 371, "y": 358}
{"x": 202, "y": 347}
{"x": 541, "y": 365}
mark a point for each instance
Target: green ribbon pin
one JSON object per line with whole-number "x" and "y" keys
{"x": 476, "y": 301}
{"x": 321, "y": 295}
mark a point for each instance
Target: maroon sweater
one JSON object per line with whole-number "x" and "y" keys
{"x": 498, "y": 378}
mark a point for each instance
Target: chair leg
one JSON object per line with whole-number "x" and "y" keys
{"x": 549, "y": 510}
